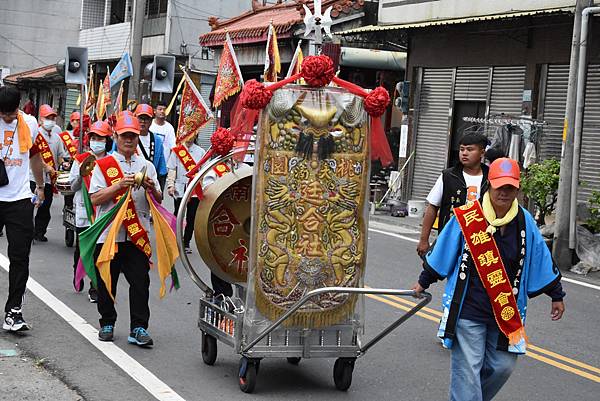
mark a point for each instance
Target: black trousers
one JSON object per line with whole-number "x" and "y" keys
{"x": 17, "y": 217}
{"x": 190, "y": 218}
{"x": 135, "y": 266}
{"x": 42, "y": 217}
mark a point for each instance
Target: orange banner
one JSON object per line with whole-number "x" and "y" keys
{"x": 489, "y": 266}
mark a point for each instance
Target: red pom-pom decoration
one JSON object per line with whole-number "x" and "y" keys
{"x": 377, "y": 101}
{"x": 222, "y": 141}
{"x": 317, "y": 71}
{"x": 255, "y": 95}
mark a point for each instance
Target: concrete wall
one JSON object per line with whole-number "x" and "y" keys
{"x": 35, "y": 33}
{"x": 522, "y": 41}
{"x": 190, "y": 17}
{"x": 407, "y": 11}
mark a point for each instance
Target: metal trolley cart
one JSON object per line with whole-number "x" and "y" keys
{"x": 222, "y": 318}
{"x": 63, "y": 186}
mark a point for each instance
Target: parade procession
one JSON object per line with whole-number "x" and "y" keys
{"x": 271, "y": 190}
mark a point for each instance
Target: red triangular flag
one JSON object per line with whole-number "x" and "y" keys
{"x": 194, "y": 112}
{"x": 229, "y": 78}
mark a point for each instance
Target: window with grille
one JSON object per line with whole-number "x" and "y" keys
{"x": 156, "y": 8}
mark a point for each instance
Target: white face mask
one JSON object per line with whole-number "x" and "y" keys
{"x": 97, "y": 146}
{"x": 48, "y": 124}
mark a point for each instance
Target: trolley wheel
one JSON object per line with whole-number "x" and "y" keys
{"x": 69, "y": 237}
{"x": 209, "y": 349}
{"x": 294, "y": 360}
{"x": 247, "y": 374}
{"x": 342, "y": 373}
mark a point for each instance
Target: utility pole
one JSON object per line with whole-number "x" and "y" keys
{"x": 560, "y": 248}
{"x": 137, "y": 28}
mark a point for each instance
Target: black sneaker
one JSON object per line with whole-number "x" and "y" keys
{"x": 93, "y": 295}
{"x": 139, "y": 336}
{"x": 40, "y": 238}
{"x": 106, "y": 333}
{"x": 13, "y": 321}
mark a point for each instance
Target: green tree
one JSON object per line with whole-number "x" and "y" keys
{"x": 540, "y": 184}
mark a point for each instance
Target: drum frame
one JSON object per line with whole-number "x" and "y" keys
{"x": 222, "y": 318}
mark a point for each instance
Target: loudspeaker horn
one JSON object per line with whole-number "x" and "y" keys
{"x": 163, "y": 74}
{"x": 76, "y": 65}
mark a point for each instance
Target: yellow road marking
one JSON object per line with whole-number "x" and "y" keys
{"x": 563, "y": 366}
{"x": 406, "y": 305}
{"x": 563, "y": 358}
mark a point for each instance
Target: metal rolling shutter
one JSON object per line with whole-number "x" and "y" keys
{"x": 471, "y": 83}
{"x": 589, "y": 166}
{"x": 432, "y": 130}
{"x": 507, "y": 90}
{"x": 555, "y": 102}
{"x": 70, "y": 104}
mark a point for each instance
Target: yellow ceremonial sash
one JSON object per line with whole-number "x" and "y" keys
{"x": 491, "y": 271}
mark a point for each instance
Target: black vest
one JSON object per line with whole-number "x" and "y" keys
{"x": 455, "y": 191}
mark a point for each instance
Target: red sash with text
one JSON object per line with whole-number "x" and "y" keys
{"x": 491, "y": 271}
{"x": 189, "y": 163}
{"x": 69, "y": 144}
{"x": 113, "y": 174}
{"x": 47, "y": 157}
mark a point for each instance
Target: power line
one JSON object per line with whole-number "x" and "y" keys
{"x": 199, "y": 11}
{"x": 22, "y": 49}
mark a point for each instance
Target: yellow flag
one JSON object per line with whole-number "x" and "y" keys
{"x": 100, "y": 104}
{"x": 110, "y": 247}
{"x": 166, "y": 246}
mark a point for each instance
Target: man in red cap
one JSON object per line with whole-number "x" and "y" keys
{"x": 53, "y": 153}
{"x": 111, "y": 178}
{"x": 100, "y": 141}
{"x": 494, "y": 258}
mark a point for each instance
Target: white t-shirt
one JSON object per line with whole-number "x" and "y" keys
{"x": 17, "y": 164}
{"x": 473, "y": 189}
{"x": 167, "y": 134}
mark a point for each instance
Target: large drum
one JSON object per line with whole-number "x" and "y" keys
{"x": 222, "y": 227}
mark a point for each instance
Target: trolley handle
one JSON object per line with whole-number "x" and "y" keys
{"x": 347, "y": 290}
{"x": 181, "y": 216}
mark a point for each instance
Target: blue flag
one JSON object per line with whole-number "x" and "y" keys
{"x": 123, "y": 70}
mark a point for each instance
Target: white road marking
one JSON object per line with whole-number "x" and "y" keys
{"x": 160, "y": 390}
{"x": 582, "y": 283}
{"x": 565, "y": 279}
{"x": 416, "y": 241}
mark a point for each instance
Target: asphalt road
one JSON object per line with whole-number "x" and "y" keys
{"x": 564, "y": 362}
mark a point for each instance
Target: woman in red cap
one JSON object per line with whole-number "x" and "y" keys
{"x": 500, "y": 261}
{"x": 99, "y": 136}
